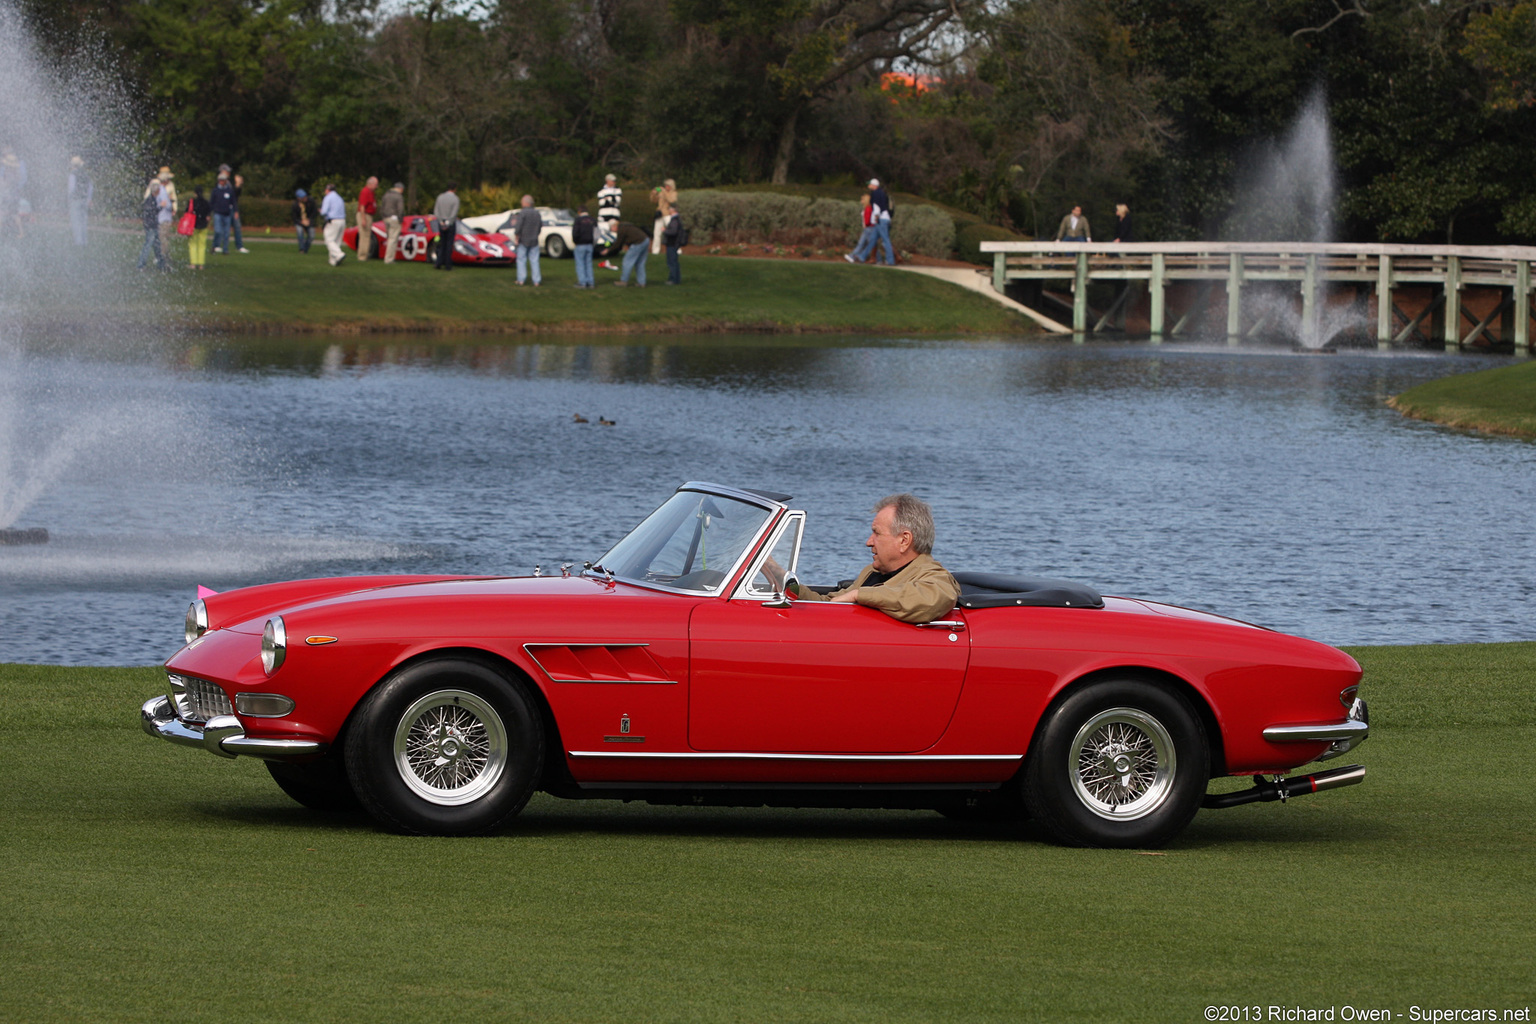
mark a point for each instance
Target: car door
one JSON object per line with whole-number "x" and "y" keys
{"x": 819, "y": 677}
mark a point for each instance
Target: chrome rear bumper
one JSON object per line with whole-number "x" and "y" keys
{"x": 222, "y": 734}
{"x": 1345, "y": 736}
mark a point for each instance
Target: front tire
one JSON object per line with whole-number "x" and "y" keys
{"x": 450, "y": 747}
{"x": 1119, "y": 763}
{"x": 555, "y": 247}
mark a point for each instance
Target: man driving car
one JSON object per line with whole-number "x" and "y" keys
{"x": 903, "y": 580}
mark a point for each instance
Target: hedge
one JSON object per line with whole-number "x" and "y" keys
{"x": 969, "y": 238}
{"x": 747, "y": 217}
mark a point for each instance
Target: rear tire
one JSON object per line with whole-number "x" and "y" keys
{"x": 1120, "y": 763}
{"x": 555, "y": 248}
{"x": 450, "y": 747}
{"x": 320, "y": 785}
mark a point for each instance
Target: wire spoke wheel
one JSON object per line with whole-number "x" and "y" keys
{"x": 450, "y": 747}
{"x": 1122, "y": 764}
{"x": 1117, "y": 762}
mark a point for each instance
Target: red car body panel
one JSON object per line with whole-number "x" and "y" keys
{"x": 417, "y": 233}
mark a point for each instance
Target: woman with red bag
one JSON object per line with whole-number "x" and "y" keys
{"x": 198, "y": 211}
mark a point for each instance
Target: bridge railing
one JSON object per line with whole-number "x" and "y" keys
{"x": 1378, "y": 267}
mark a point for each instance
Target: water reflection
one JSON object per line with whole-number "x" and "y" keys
{"x": 1257, "y": 482}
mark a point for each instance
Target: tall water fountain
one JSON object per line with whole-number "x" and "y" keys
{"x": 50, "y": 115}
{"x": 1289, "y": 193}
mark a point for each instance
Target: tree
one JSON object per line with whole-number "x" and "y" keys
{"x": 806, "y": 48}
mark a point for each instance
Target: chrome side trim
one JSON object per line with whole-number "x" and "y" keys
{"x": 222, "y": 735}
{"x": 696, "y": 755}
{"x": 616, "y": 682}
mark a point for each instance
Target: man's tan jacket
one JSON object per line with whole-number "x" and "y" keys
{"x": 923, "y": 590}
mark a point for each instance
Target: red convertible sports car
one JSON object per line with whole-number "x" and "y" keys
{"x": 676, "y": 670}
{"x": 418, "y": 243}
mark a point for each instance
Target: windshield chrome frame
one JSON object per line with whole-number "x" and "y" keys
{"x": 729, "y": 584}
{"x": 741, "y": 592}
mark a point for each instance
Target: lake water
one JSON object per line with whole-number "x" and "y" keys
{"x": 1257, "y": 482}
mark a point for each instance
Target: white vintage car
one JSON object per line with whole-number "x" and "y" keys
{"x": 554, "y": 237}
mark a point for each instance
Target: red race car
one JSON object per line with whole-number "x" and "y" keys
{"x": 678, "y": 670}
{"x": 418, "y": 242}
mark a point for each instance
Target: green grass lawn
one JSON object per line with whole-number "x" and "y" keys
{"x": 145, "y": 882}
{"x": 275, "y": 289}
{"x": 1501, "y": 400}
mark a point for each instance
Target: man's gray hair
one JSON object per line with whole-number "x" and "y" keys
{"x": 912, "y": 515}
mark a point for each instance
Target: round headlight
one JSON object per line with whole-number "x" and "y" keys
{"x": 197, "y": 620}
{"x": 274, "y": 644}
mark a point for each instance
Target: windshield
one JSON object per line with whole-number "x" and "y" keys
{"x": 691, "y": 542}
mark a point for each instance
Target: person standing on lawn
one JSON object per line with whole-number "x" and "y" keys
{"x": 304, "y": 216}
{"x": 197, "y": 245}
{"x": 149, "y": 214}
{"x": 666, "y": 199}
{"x": 222, "y": 202}
{"x": 392, "y": 208}
{"x": 446, "y": 213}
{"x": 609, "y": 199}
{"x": 583, "y": 232}
{"x": 333, "y": 211}
{"x": 526, "y": 226}
{"x": 672, "y": 233}
{"x": 234, "y": 215}
{"x": 367, "y": 206}
{"x": 167, "y": 182}
{"x": 81, "y": 193}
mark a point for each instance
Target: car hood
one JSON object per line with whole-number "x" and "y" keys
{"x": 246, "y": 611}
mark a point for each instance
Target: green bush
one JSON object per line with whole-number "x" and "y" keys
{"x": 260, "y": 212}
{"x": 970, "y": 236}
{"x": 787, "y": 220}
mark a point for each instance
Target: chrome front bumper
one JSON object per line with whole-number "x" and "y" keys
{"x": 1345, "y": 736}
{"x": 222, "y": 734}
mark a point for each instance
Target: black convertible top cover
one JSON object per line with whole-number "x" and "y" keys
{"x": 996, "y": 590}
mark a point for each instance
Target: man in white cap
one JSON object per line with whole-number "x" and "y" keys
{"x": 880, "y": 204}
{"x": 609, "y": 198}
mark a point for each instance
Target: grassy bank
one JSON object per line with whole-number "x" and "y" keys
{"x": 1499, "y": 401}
{"x": 145, "y": 882}
{"x": 273, "y": 289}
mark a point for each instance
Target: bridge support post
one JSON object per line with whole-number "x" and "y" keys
{"x": 1452, "y": 303}
{"x": 1000, "y": 273}
{"x": 1522, "y": 306}
{"x": 1159, "y": 295}
{"x": 1080, "y": 295}
{"x": 1309, "y": 310}
{"x": 1384, "y": 302}
{"x": 1234, "y": 298}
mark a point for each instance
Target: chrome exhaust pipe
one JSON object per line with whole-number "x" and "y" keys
{"x": 1284, "y": 789}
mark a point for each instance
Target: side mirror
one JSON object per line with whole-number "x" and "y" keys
{"x": 781, "y": 597}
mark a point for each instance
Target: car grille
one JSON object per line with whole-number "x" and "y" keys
{"x": 198, "y": 700}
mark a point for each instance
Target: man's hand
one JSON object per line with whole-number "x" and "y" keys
{"x": 847, "y": 597}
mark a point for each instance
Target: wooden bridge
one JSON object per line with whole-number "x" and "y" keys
{"x": 1458, "y": 296}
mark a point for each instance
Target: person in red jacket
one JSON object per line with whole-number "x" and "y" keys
{"x": 367, "y": 206}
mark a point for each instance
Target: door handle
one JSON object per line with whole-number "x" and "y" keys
{"x": 953, "y": 625}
